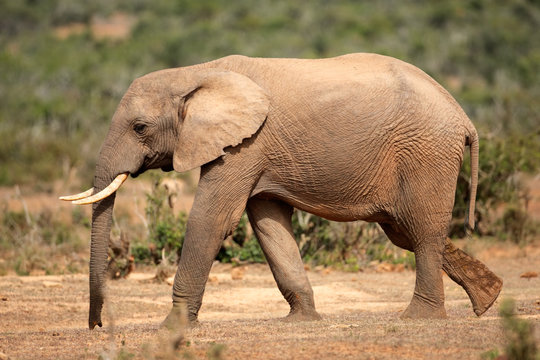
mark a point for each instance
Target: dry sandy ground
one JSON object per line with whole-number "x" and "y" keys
{"x": 45, "y": 316}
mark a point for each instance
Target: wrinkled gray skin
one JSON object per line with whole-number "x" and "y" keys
{"x": 357, "y": 137}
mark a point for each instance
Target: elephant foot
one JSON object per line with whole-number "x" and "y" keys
{"x": 483, "y": 290}
{"x": 295, "y": 316}
{"x": 481, "y": 284}
{"x": 421, "y": 309}
{"x": 178, "y": 319}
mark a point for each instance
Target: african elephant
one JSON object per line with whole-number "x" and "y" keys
{"x": 356, "y": 137}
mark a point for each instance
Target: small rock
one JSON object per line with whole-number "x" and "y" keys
{"x": 213, "y": 279}
{"x": 4, "y": 298}
{"x": 52, "y": 284}
{"x": 384, "y": 267}
{"x": 170, "y": 280}
{"x": 55, "y": 333}
{"x": 529, "y": 275}
{"x": 237, "y": 273}
{"x": 399, "y": 267}
{"x": 388, "y": 267}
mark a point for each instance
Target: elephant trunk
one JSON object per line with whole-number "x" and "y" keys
{"x": 102, "y": 212}
{"x": 101, "y": 228}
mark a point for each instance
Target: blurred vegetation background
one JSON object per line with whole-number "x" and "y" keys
{"x": 65, "y": 64}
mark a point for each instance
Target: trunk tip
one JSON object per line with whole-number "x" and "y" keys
{"x": 92, "y": 324}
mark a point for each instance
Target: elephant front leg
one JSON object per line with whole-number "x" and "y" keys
{"x": 271, "y": 221}
{"x": 480, "y": 283}
{"x": 213, "y": 217}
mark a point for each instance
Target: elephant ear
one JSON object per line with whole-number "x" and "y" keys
{"x": 223, "y": 109}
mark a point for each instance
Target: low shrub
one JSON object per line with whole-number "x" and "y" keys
{"x": 242, "y": 246}
{"x": 519, "y": 333}
{"x": 347, "y": 245}
{"x": 503, "y": 162}
{"x": 166, "y": 230}
{"x": 39, "y": 243}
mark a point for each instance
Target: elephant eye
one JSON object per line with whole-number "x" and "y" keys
{"x": 139, "y": 128}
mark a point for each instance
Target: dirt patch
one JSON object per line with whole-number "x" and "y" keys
{"x": 46, "y": 316}
{"x": 117, "y": 26}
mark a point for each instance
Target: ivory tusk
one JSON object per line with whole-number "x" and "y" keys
{"x": 113, "y": 186}
{"x": 78, "y": 196}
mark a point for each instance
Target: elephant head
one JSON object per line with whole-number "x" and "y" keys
{"x": 171, "y": 119}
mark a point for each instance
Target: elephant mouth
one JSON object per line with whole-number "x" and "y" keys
{"x": 167, "y": 168}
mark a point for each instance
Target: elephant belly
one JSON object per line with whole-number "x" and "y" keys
{"x": 325, "y": 197}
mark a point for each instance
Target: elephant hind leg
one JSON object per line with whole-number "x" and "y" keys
{"x": 271, "y": 221}
{"x": 397, "y": 238}
{"x": 428, "y": 298}
{"x": 480, "y": 283}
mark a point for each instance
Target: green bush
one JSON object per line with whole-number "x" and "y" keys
{"x": 166, "y": 230}
{"x": 519, "y": 333}
{"x": 349, "y": 245}
{"x": 501, "y": 163}
{"x": 249, "y": 252}
{"x": 244, "y": 246}
{"x": 141, "y": 252}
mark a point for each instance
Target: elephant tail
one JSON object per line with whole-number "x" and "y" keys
{"x": 472, "y": 141}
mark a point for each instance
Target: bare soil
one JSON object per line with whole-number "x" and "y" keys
{"x": 46, "y": 316}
